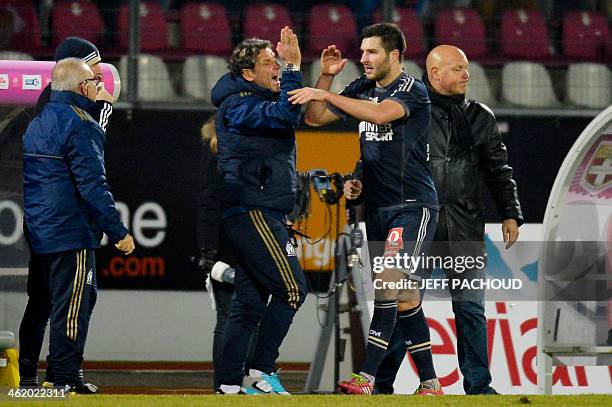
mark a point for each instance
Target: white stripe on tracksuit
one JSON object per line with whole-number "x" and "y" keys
{"x": 107, "y": 110}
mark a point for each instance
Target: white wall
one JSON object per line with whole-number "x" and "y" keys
{"x": 162, "y": 326}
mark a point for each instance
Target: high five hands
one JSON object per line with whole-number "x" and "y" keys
{"x": 288, "y": 47}
{"x": 331, "y": 61}
{"x": 332, "y": 64}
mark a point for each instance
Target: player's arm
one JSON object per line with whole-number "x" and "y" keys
{"x": 317, "y": 113}
{"x": 373, "y": 112}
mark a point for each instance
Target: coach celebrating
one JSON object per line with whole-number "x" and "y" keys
{"x": 256, "y": 151}
{"x": 67, "y": 205}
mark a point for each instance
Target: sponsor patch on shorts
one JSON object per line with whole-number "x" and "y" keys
{"x": 394, "y": 242}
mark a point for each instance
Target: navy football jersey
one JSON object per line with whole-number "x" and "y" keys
{"x": 395, "y": 155}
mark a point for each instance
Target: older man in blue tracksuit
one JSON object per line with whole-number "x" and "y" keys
{"x": 36, "y": 315}
{"x": 67, "y": 206}
{"x": 256, "y": 143}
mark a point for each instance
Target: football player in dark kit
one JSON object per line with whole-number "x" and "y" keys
{"x": 255, "y": 127}
{"x": 399, "y": 194}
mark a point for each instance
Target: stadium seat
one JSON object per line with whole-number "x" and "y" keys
{"x": 200, "y": 73}
{"x": 15, "y": 56}
{"x": 265, "y": 21}
{"x": 26, "y": 26}
{"x": 205, "y": 28}
{"x": 412, "y": 69}
{"x": 524, "y": 34}
{"x": 528, "y": 84}
{"x": 479, "y": 88}
{"x": 80, "y": 18}
{"x": 589, "y": 85}
{"x": 154, "y": 82}
{"x": 406, "y": 19}
{"x": 153, "y": 27}
{"x": 331, "y": 24}
{"x": 463, "y": 28}
{"x": 585, "y": 35}
{"x": 348, "y": 74}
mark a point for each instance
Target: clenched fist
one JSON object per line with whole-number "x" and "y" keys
{"x": 126, "y": 245}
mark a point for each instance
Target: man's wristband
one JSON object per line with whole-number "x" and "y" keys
{"x": 291, "y": 67}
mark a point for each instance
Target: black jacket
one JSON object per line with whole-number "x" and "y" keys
{"x": 461, "y": 170}
{"x": 209, "y": 200}
{"x": 210, "y": 208}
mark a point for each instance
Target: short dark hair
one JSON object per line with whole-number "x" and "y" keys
{"x": 245, "y": 54}
{"x": 390, "y": 35}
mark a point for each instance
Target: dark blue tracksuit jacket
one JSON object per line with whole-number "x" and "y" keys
{"x": 255, "y": 129}
{"x": 67, "y": 202}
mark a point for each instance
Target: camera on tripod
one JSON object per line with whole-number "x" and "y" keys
{"x": 329, "y": 189}
{"x": 328, "y": 186}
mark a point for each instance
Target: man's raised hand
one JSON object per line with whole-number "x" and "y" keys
{"x": 288, "y": 47}
{"x": 331, "y": 61}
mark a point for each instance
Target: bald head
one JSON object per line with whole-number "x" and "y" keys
{"x": 447, "y": 70}
{"x": 69, "y": 73}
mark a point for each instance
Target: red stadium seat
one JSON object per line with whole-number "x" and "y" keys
{"x": 153, "y": 27}
{"x": 26, "y": 27}
{"x": 80, "y": 18}
{"x": 331, "y": 24}
{"x": 463, "y": 28}
{"x": 524, "y": 34}
{"x": 265, "y": 21}
{"x": 410, "y": 25}
{"x": 205, "y": 28}
{"x": 585, "y": 35}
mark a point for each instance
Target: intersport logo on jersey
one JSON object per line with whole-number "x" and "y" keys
{"x": 375, "y": 132}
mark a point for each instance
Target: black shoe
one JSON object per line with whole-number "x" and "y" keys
{"x": 490, "y": 392}
{"x": 79, "y": 388}
{"x": 84, "y": 388}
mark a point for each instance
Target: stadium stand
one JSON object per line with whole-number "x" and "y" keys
{"x": 265, "y": 20}
{"x": 331, "y": 24}
{"x": 479, "y": 88}
{"x": 407, "y": 20}
{"x": 412, "y": 68}
{"x": 154, "y": 82}
{"x": 190, "y": 34}
{"x": 589, "y": 85}
{"x": 200, "y": 73}
{"x": 80, "y": 18}
{"x": 153, "y": 27}
{"x": 15, "y": 56}
{"x": 528, "y": 84}
{"x": 524, "y": 35}
{"x": 585, "y": 35}
{"x": 463, "y": 28}
{"x": 205, "y": 28}
{"x": 25, "y": 22}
